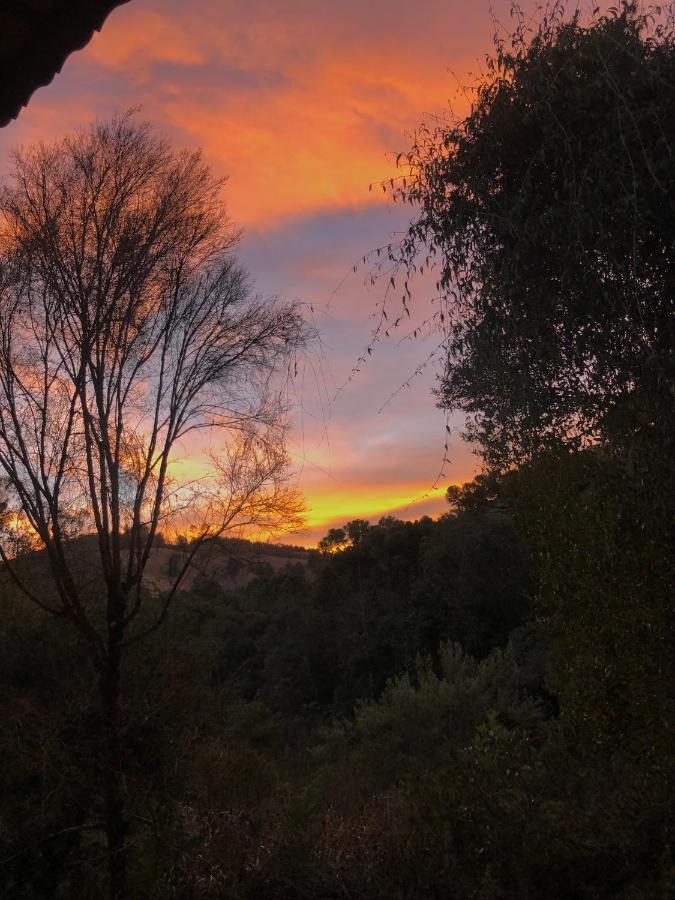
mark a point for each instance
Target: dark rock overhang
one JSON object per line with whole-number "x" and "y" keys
{"x": 36, "y": 38}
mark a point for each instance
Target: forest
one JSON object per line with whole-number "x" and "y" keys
{"x": 479, "y": 705}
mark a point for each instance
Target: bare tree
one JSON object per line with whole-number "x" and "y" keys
{"x": 126, "y": 325}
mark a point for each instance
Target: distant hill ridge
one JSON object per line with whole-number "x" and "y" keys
{"x": 232, "y": 562}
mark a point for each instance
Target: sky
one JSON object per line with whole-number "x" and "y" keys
{"x": 303, "y": 106}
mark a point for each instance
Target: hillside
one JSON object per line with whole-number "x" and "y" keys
{"x": 231, "y": 562}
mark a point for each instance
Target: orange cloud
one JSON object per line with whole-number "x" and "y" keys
{"x": 141, "y": 38}
{"x": 296, "y": 111}
{"x": 302, "y": 105}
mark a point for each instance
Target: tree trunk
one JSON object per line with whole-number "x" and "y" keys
{"x": 112, "y": 781}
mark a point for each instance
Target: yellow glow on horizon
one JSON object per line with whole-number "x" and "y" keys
{"x": 362, "y": 501}
{"x": 335, "y": 504}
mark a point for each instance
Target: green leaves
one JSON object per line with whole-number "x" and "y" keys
{"x": 551, "y": 209}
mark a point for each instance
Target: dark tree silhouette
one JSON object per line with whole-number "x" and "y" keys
{"x": 549, "y": 211}
{"x": 126, "y": 325}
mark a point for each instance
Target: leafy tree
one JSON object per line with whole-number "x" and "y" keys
{"x": 350, "y": 535}
{"x": 356, "y": 530}
{"x": 605, "y": 572}
{"x": 125, "y": 325}
{"x": 421, "y": 716}
{"x": 476, "y": 583}
{"x": 550, "y": 212}
{"x": 476, "y": 495}
{"x": 336, "y": 539}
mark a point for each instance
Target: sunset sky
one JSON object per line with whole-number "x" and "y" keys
{"x": 303, "y": 105}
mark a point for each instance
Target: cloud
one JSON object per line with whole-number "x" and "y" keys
{"x": 352, "y": 506}
{"x": 303, "y": 105}
{"x": 299, "y": 106}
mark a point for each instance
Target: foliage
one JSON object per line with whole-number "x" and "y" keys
{"x": 603, "y": 534}
{"x": 422, "y": 716}
{"x": 550, "y": 211}
{"x": 254, "y": 769}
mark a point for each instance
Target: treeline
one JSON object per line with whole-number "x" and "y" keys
{"x": 407, "y": 721}
{"x": 242, "y": 548}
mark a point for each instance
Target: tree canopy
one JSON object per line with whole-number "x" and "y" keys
{"x": 549, "y": 211}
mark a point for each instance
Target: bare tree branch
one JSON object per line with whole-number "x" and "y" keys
{"x": 126, "y": 325}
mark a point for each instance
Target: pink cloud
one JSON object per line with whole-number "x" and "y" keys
{"x": 302, "y": 105}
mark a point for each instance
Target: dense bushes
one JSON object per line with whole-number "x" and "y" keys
{"x": 386, "y": 727}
